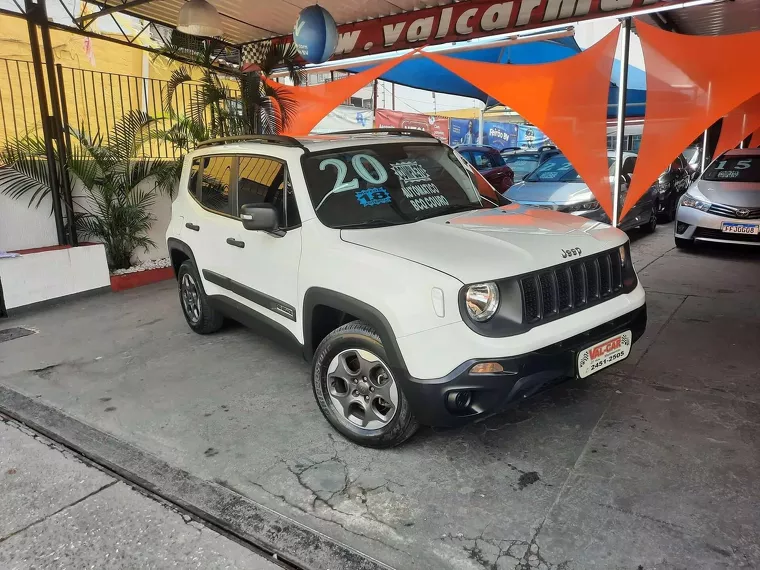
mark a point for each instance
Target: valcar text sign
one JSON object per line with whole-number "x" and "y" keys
{"x": 468, "y": 20}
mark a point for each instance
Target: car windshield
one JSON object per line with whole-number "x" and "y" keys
{"x": 742, "y": 168}
{"x": 558, "y": 169}
{"x": 522, "y": 164}
{"x": 389, "y": 184}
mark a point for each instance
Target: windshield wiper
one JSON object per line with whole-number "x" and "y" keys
{"x": 372, "y": 224}
{"x": 451, "y": 210}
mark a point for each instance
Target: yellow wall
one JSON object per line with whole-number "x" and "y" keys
{"x": 97, "y": 107}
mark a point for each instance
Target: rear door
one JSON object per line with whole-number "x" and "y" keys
{"x": 210, "y": 219}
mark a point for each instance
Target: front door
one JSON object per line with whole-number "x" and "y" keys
{"x": 263, "y": 267}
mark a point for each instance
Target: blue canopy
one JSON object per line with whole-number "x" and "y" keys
{"x": 422, "y": 73}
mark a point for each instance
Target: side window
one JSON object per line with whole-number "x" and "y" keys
{"x": 629, "y": 165}
{"x": 192, "y": 182}
{"x": 496, "y": 159}
{"x": 480, "y": 160}
{"x": 263, "y": 180}
{"x": 215, "y": 188}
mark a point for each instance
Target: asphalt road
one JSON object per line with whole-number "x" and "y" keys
{"x": 653, "y": 464}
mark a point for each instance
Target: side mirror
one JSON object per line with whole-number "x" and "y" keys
{"x": 260, "y": 217}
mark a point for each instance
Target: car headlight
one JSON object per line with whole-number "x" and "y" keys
{"x": 689, "y": 201}
{"x": 482, "y": 301}
{"x": 582, "y": 206}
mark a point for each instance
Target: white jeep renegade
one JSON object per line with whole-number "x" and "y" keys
{"x": 419, "y": 294}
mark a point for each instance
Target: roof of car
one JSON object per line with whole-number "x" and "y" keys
{"x": 743, "y": 152}
{"x": 462, "y": 147}
{"x": 328, "y": 141}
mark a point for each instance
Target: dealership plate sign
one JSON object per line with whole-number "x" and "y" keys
{"x": 604, "y": 354}
{"x": 463, "y": 21}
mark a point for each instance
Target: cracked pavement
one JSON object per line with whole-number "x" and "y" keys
{"x": 652, "y": 464}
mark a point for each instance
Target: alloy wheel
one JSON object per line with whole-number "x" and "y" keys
{"x": 190, "y": 298}
{"x": 362, "y": 389}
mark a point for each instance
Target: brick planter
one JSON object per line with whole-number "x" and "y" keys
{"x": 140, "y": 278}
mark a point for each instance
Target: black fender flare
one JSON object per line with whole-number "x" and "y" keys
{"x": 315, "y": 296}
{"x": 179, "y": 245}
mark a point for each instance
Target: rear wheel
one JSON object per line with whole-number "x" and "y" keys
{"x": 356, "y": 390}
{"x": 200, "y": 316}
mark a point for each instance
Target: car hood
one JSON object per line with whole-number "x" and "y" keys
{"x": 555, "y": 192}
{"x": 740, "y": 194}
{"x": 490, "y": 244}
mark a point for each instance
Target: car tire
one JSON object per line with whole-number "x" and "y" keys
{"x": 682, "y": 243}
{"x": 200, "y": 316}
{"x": 353, "y": 385}
{"x": 651, "y": 225}
{"x": 669, "y": 214}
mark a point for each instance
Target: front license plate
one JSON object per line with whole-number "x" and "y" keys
{"x": 734, "y": 228}
{"x": 604, "y": 354}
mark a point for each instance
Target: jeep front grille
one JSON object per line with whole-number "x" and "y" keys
{"x": 571, "y": 287}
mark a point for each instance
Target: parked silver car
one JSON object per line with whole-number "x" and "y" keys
{"x": 555, "y": 185}
{"x": 723, "y": 205}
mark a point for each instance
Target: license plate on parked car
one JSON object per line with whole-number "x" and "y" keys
{"x": 736, "y": 228}
{"x": 604, "y": 354}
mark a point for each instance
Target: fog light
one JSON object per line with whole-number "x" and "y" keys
{"x": 462, "y": 400}
{"x": 681, "y": 227}
{"x": 487, "y": 368}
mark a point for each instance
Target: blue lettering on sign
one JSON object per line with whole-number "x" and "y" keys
{"x": 373, "y": 197}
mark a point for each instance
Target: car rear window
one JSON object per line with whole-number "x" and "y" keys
{"x": 559, "y": 169}
{"x": 522, "y": 164}
{"x": 388, "y": 184}
{"x": 734, "y": 169}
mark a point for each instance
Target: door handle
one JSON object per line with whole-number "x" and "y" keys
{"x": 193, "y": 227}
{"x": 236, "y": 243}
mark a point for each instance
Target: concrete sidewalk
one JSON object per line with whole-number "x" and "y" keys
{"x": 58, "y": 512}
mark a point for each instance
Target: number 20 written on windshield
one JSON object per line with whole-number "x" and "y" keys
{"x": 342, "y": 185}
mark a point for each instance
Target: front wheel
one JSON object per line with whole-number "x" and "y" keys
{"x": 356, "y": 390}
{"x": 651, "y": 225}
{"x": 669, "y": 212}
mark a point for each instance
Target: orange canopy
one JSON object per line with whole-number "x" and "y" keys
{"x": 739, "y": 124}
{"x": 313, "y": 103}
{"x": 566, "y": 99}
{"x": 692, "y": 81}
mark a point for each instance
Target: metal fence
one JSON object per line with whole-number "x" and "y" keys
{"x": 92, "y": 101}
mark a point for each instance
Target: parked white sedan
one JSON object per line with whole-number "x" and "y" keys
{"x": 723, "y": 204}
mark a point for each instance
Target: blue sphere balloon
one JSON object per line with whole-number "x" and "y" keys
{"x": 315, "y": 34}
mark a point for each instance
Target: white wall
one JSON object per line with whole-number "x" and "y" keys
{"x": 47, "y": 275}
{"x": 588, "y": 33}
{"x": 26, "y": 228}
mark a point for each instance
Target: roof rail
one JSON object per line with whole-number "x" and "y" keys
{"x": 271, "y": 139}
{"x": 397, "y": 132}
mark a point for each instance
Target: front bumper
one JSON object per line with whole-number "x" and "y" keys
{"x": 696, "y": 225}
{"x": 434, "y": 402}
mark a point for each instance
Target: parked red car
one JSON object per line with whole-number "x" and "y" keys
{"x": 490, "y": 164}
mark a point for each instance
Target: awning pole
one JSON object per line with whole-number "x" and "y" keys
{"x": 622, "y": 99}
{"x": 704, "y": 151}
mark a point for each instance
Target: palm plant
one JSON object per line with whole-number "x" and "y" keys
{"x": 111, "y": 182}
{"x": 233, "y": 102}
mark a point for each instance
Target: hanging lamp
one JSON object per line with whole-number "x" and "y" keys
{"x": 199, "y": 18}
